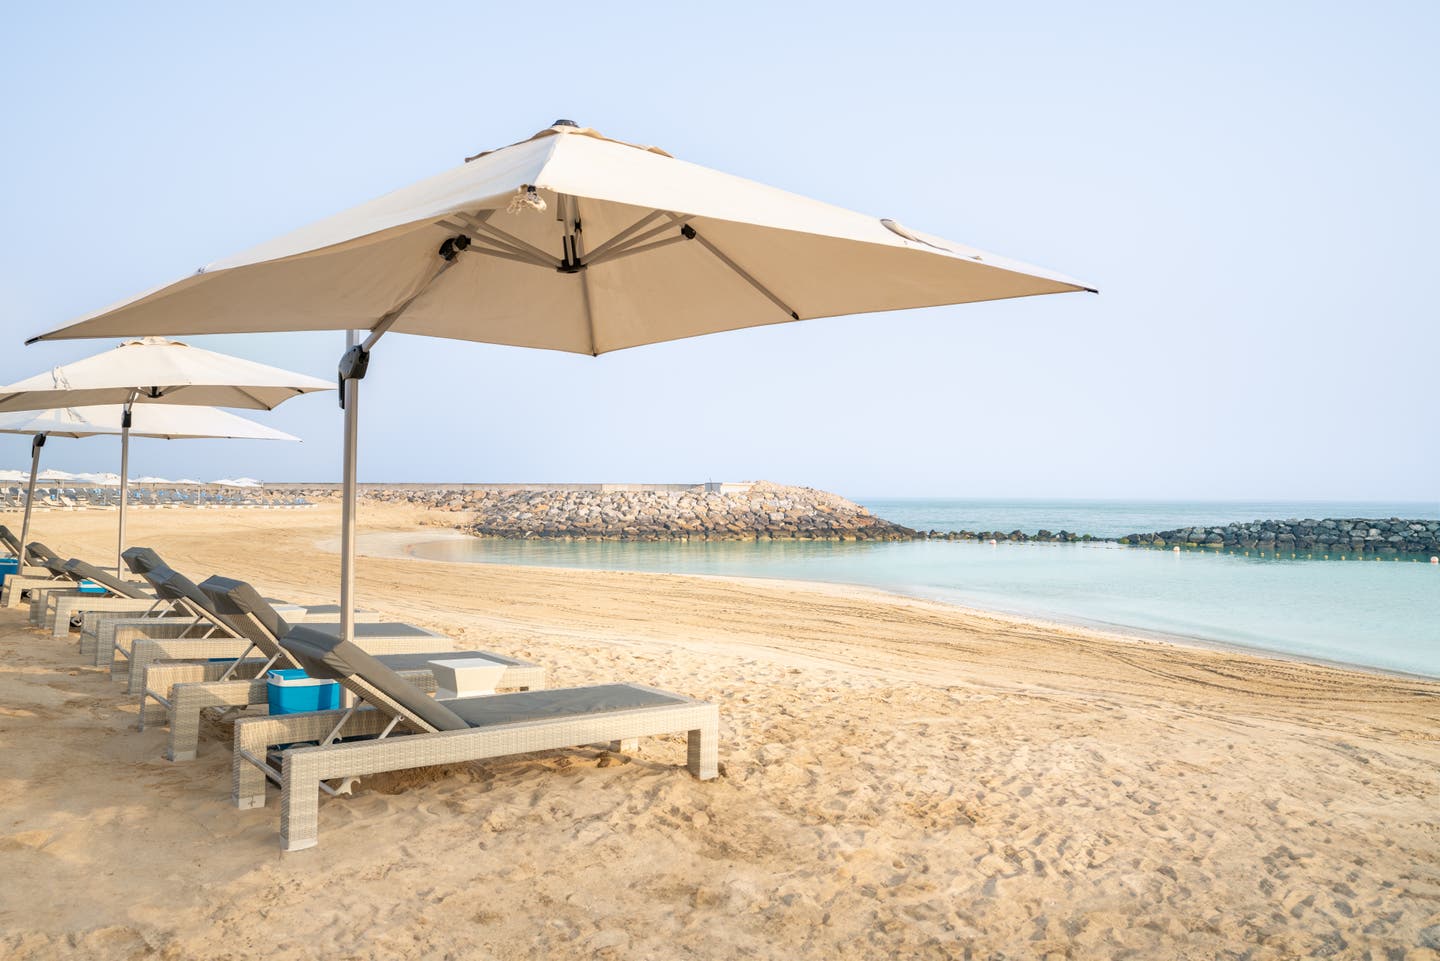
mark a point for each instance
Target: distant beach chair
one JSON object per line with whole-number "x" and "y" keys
{"x": 443, "y": 731}
{"x": 186, "y": 691}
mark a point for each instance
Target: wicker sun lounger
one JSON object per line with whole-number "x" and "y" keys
{"x": 103, "y": 635}
{"x": 59, "y": 610}
{"x": 439, "y": 732}
{"x": 44, "y": 569}
{"x": 188, "y": 689}
{"x": 144, "y": 652}
{"x": 64, "y": 578}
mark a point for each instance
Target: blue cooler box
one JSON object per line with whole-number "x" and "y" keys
{"x": 90, "y": 587}
{"x": 8, "y": 566}
{"x": 292, "y": 692}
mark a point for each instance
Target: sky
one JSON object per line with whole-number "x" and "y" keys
{"x": 1252, "y": 187}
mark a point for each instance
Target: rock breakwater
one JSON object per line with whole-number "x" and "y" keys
{"x": 1355, "y": 535}
{"x": 761, "y": 511}
{"x": 1014, "y": 537}
{"x": 729, "y": 512}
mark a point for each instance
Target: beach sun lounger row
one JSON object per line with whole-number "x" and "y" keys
{"x": 183, "y": 649}
{"x": 48, "y": 498}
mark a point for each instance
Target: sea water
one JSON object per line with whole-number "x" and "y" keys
{"x": 1373, "y": 613}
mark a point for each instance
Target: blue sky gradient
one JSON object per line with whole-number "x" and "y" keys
{"x": 1253, "y": 188}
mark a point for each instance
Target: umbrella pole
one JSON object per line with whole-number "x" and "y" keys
{"x": 350, "y": 390}
{"x": 36, "y": 442}
{"x": 124, "y": 483}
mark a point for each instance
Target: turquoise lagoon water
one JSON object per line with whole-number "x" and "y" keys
{"x": 1382, "y": 614}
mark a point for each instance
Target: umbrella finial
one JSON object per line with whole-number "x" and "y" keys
{"x": 565, "y": 123}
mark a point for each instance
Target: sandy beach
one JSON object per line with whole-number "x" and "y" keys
{"x": 901, "y": 779}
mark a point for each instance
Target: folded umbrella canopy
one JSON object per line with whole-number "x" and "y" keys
{"x": 150, "y": 372}
{"x": 567, "y": 241}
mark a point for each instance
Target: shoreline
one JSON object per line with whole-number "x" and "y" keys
{"x": 401, "y": 545}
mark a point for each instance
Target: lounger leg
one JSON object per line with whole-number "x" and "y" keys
{"x": 163, "y": 683}
{"x": 141, "y": 656}
{"x": 704, "y": 749}
{"x": 628, "y": 746}
{"x": 299, "y": 801}
{"x": 187, "y": 701}
{"x": 184, "y": 724}
{"x": 60, "y": 626}
{"x": 247, "y": 782}
{"x": 38, "y": 601}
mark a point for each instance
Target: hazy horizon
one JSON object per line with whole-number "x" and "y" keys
{"x": 1252, "y": 190}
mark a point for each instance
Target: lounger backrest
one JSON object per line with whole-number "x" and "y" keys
{"x": 174, "y": 586}
{"x": 47, "y": 559}
{"x": 82, "y": 570}
{"x": 10, "y": 540}
{"x": 241, "y": 608}
{"x": 39, "y": 553}
{"x": 142, "y": 559}
{"x": 326, "y": 655}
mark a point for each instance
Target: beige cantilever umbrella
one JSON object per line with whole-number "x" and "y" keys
{"x": 154, "y": 372}
{"x": 566, "y": 241}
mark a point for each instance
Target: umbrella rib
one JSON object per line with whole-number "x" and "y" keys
{"x": 501, "y": 255}
{"x": 640, "y": 249}
{"x": 629, "y": 246}
{"x": 263, "y": 405}
{"x": 513, "y": 252}
{"x": 579, "y": 252}
{"x": 511, "y": 240}
{"x": 691, "y": 233}
{"x": 604, "y": 248}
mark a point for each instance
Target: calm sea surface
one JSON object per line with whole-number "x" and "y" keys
{"x": 1383, "y": 614}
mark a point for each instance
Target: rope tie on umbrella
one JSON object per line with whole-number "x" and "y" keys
{"x": 526, "y": 198}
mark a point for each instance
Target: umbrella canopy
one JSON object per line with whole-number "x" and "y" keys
{"x": 576, "y": 242}
{"x": 165, "y": 421}
{"x": 566, "y": 241}
{"x": 149, "y": 372}
{"x": 153, "y": 370}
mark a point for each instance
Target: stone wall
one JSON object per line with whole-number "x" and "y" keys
{"x": 1331, "y": 536}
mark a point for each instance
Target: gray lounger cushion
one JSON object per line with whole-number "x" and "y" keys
{"x": 561, "y": 702}
{"x": 142, "y": 560}
{"x": 46, "y": 558}
{"x": 86, "y": 571}
{"x": 38, "y": 551}
{"x": 10, "y": 540}
{"x": 325, "y": 655}
{"x": 174, "y": 586}
{"x": 234, "y": 599}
